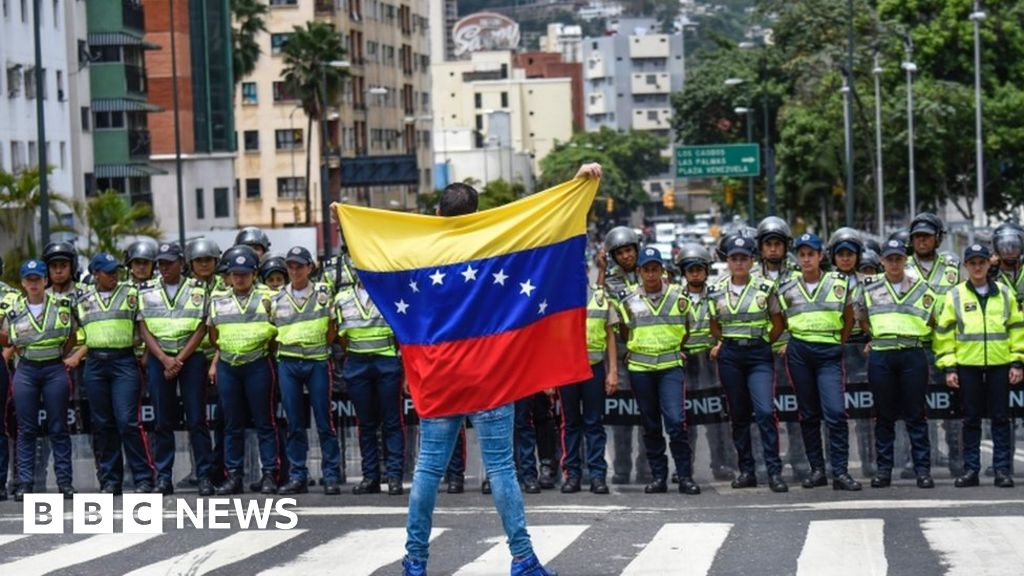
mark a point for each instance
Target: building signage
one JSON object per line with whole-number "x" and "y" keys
{"x": 484, "y": 31}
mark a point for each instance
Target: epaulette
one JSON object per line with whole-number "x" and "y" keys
{"x": 623, "y": 294}
{"x": 839, "y": 275}
{"x": 64, "y": 301}
{"x": 4, "y": 306}
{"x": 765, "y": 288}
{"x": 147, "y": 285}
{"x": 870, "y": 278}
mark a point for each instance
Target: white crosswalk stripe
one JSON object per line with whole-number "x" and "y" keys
{"x": 844, "y": 547}
{"x": 78, "y": 552}
{"x": 680, "y": 549}
{"x": 364, "y": 552}
{"x": 228, "y": 550}
{"x": 977, "y": 546}
{"x": 8, "y": 538}
{"x": 548, "y": 542}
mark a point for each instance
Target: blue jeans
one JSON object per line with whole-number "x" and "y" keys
{"x": 248, "y": 389}
{"x": 5, "y": 389}
{"x": 748, "y": 375}
{"x": 816, "y": 371}
{"x": 50, "y": 381}
{"x": 114, "y": 388}
{"x": 899, "y": 382}
{"x": 661, "y": 396}
{"x": 583, "y": 414}
{"x": 192, "y": 380}
{"x": 314, "y": 374}
{"x": 375, "y": 387}
{"x": 457, "y": 465}
{"x": 437, "y": 439}
{"x": 983, "y": 390}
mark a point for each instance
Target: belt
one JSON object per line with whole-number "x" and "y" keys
{"x": 41, "y": 363}
{"x": 110, "y": 353}
{"x": 897, "y": 343}
{"x": 744, "y": 342}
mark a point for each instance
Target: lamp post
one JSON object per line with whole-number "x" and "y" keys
{"x": 44, "y": 195}
{"x": 848, "y": 135}
{"x": 910, "y": 68}
{"x": 325, "y": 185}
{"x": 769, "y": 153}
{"x": 977, "y": 16}
{"x": 879, "y": 195}
{"x": 749, "y": 111}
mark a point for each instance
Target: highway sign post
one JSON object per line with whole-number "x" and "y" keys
{"x": 735, "y": 160}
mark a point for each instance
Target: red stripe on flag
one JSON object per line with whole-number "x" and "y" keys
{"x": 482, "y": 373}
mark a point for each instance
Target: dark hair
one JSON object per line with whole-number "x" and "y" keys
{"x": 458, "y": 199}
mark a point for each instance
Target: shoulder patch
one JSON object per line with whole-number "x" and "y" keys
{"x": 683, "y": 303}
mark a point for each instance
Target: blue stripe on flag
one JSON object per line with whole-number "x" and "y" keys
{"x": 481, "y": 297}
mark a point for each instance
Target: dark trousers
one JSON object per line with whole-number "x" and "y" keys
{"x": 5, "y": 449}
{"x": 583, "y": 415}
{"x": 816, "y": 371}
{"x": 297, "y": 375}
{"x": 535, "y": 433}
{"x": 899, "y": 382}
{"x": 47, "y": 381}
{"x": 984, "y": 391}
{"x": 114, "y": 389}
{"x": 661, "y": 396}
{"x": 700, "y": 375}
{"x": 248, "y": 388}
{"x": 748, "y": 374}
{"x": 164, "y": 393}
{"x": 375, "y": 387}
{"x": 457, "y": 464}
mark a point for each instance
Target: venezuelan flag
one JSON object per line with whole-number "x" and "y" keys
{"x": 489, "y": 307}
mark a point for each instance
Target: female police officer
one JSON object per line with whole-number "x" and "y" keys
{"x": 746, "y": 320}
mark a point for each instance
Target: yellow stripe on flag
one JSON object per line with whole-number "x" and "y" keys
{"x": 386, "y": 241}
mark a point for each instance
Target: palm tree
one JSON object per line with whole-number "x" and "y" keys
{"x": 19, "y": 215}
{"x": 250, "y": 19}
{"x": 112, "y": 218}
{"x": 306, "y": 58}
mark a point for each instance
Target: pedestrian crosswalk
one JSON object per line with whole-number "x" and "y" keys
{"x": 978, "y": 546}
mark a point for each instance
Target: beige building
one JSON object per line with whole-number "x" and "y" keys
{"x": 383, "y": 109}
{"x": 485, "y": 103}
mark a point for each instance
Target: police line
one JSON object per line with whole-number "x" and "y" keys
{"x": 703, "y": 406}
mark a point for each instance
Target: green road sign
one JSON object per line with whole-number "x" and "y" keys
{"x": 718, "y": 160}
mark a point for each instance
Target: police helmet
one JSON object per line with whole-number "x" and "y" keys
{"x": 773, "y": 227}
{"x": 1008, "y": 241}
{"x": 61, "y": 251}
{"x": 869, "y": 258}
{"x": 253, "y": 236}
{"x": 201, "y": 248}
{"x": 239, "y": 258}
{"x": 693, "y": 254}
{"x": 872, "y": 244}
{"x": 742, "y": 232}
{"x": 273, "y": 263}
{"x": 140, "y": 250}
{"x": 928, "y": 223}
{"x": 845, "y": 238}
{"x": 904, "y": 237}
{"x": 620, "y": 237}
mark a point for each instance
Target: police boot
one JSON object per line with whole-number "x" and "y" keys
{"x": 67, "y": 490}
{"x": 485, "y": 486}
{"x": 777, "y": 484}
{"x": 294, "y": 486}
{"x": 881, "y": 480}
{"x": 1003, "y": 479}
{"x": 332, "y": 487}
{"x": 845, "y": 482}
{"x": 547, "y": 475}
{"x": 395, "y": 487}
{"x": 164, "y": 487}
{"x": 456, "y": 485}
{"x": 531, "y": 486}
{"x": 206, "y": 487}
{"x": 744, "y": 480}
{"x": 231, "y": 485}
{"x": 268, "y": 485}
{"x": 367, "y": 486}
{"x": 925, "y": 481}
{"x": 656, "y": 486}
{"x": 571, "y": 485}
{"x": 967, "y": 480}
{"x": 816, "y": 478}
{"x": 688, "y": 486}
{"x": 598, "y": 486}
{"x": 19, "y": 492}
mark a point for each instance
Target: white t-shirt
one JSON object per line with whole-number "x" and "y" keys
{"x": 811, "y": 286}
{"x": 300, "y": 294}
{"x": 981, "y": 290}
{"x": 773, "y": 274}
{"x": 172, "y": 290}
{"x": 37, "y": 309}
{"x": 694, "y": 297}
{"x": 736, "y": 289}
{"x": 105, "y": 295}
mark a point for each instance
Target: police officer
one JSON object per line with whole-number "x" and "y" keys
{"x": 654, "y": 325}
{"x": 302, "y": 314}
{"x": 274, "y": 272}
{"x": 171, "y": 313}
{"x": 897, "y": 313}
{"x": 41, "y": 328}
{"x": 107, "y": 313}
{"x": 695, "y": 263}
{"x": 203, "y": 258}
{"x": 535, "y": 435}
{"x": 979, "y": 343}
{"x": 254, "y": 238}
{"x": 1008, "y": 241}
{"x": 819, "y": 316}
{"x": 583, "y": 402}
{"x": 140, "y": 258}
{"x": 337, "y": 272}
{"x": 870, "y": 264}
{"x": 746, "y": 320}
{"x": 241, "y": 331}
{"x": 61, "y": 261}
{"x": 374, "y": 376}
{"x": 941, "y": 272}
{"x": 619, "y": 277}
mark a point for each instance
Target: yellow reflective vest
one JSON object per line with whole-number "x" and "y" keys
{"x": 364, "y": 327}
{"x": 656, "y": 330}
{"x": 109, "y": 324}
{"x": 700, "y": 338}
{"x": 172, "y": 321}
{"x": 749, "y": 317}
{"x": 39, "y": 339}
{"x": 970, "y": 331}
{"x": 302, "y": 324}
{"x": 815, "y": 316}
{"x": 598, "y": 312}
{"x": 244, "y": 329}
{"x": 898, "y": 321}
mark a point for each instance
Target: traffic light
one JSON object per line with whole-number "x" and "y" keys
{"x": 729, "y": 198}
{"x": 668, "y": 200}
{"x": 610, "y": 205}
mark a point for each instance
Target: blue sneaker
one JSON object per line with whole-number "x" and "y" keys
{"x": 530, "y": 566}
{"x": 412, "y": 567}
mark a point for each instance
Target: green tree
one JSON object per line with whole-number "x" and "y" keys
{"x": 306, "y": 70}
{"x": 250, "y": 20}
{"x": 19, "y": 212}
{"x": 500, "y": 192}
{"x": 111, "y": 218}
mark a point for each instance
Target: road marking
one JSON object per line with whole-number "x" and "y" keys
{"x": 461, "y": 511}
{"x": 681, "y": 550}
{"x": 876, "y": 505}
{"x": 987, "y": 447}
{"x": 75, "y": 553}
{"x": 548, "y": 542}
{"x": 8, "y": 538}
{"x": 223, "y": 552}
{"x": 977, "y": 546}
{"x": 362, "y": 553}
{"x": 844, "y": 547}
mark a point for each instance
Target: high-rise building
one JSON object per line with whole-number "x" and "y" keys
{"x": 202, "y": 38}
{"x": 383, "y": 110}
{"x": 566, "y": 40}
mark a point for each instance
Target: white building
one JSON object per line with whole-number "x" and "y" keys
{"x": 565, "y": 40}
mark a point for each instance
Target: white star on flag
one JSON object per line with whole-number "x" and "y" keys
{"x": 402, "y": 306}
{"x": 437, "y": 277}
{"x": 414, "y": 286}
{"x": 543, "y": 307}
{"x": 527, "y": 288}
{"x": 469, "y": 273}
{"x": 500, "y": 277}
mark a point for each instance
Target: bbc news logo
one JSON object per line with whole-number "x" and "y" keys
{"x": 144, "y": 514}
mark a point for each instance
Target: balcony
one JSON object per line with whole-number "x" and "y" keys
{"x": 651, "y": 46}
{"x": 596, "y": 68}
{"x": 651, "y": 83}
{"x": 325, "y": 7}
{"x": 652, "y": 119}
{"x": 597, "y": 104}
{"x": 135, "y": 79}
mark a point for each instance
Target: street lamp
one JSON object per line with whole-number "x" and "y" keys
{"x": 910, "y": 68}
{"x": 749, "y": 111}
{"x": 879, "y": 196}
{"x": 977, "y": 16}
{"x": 848, "y": 136}
{"x": 769, "y": 153}
{"x": 325, "y": 200}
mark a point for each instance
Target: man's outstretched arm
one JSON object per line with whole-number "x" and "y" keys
{"x": 591, "y": 170}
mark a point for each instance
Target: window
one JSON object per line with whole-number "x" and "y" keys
{"x": 283, "y": 2}
{"x": 24, "y": 11}
{"x": 652, "y": 115}
{"x": 290, "y": 187}
{"x": 86, "y": 114}
{"x": 278, "y": 42}
{"x": 109, "y": 120}
{"x": 252, "y": 140}
{"x": 252, "y": 187}
{"x": 33, "y": 155}
{"x": 288, "y": 139}
{"x": 17, "y": 161}
{"x": 504, "y": 99}
{"x": 200, "y": 204}
{"x": 478, "y": 100}
{"x": 221, "y": 202}
{"x": 30, "y": 83}
{"x": 282, "y": 93}
{"x": 13, "y": 81}
{"x": 63, "y": 155}
{"x": 249, "y": 93}
{"x": 652, "y": 80}
{"x": 101, "y": 54}
{"x": 60, "y": 86}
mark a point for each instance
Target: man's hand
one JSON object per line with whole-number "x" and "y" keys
{"x": 611, "y": 383}
{"x": 601, "y": 260}
{"x": 1016, "y": 375}
{"x": 334, "y": 212}
{"x": 782, "y": 351}
{"x": 953, "y": 380}
{"x": 714, "y": 351}
{"x": 72, "y": 362}
{"x": 592, "y": 170}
